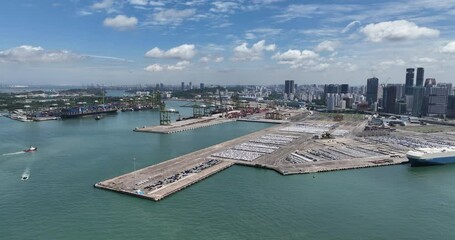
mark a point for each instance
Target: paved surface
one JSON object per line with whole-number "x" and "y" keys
{"x": 304, "y": 154}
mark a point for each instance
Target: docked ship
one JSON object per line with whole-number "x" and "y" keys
{"x": 431, "y": 156}
{"x": 86, "y": 111}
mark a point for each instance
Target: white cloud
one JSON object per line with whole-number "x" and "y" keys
{"x": 327, "y": 46}
{"x": 449, "y": 48}
{"x": 121, "y": 22}
{"x": 391, "y": 63}
{"x": 179, "y": 66}
{"x": 154, "y": 68}
{"x": 207, "y": 59}
{"x": 156, "y": 3}
{"x": 350, "y": 26}
{"x": 397, "y": 31}
{"x": 172, "y": 16}
{"x": 104, "y": 4}
{"x": 161, "y": 67}
{"x": 424, "y": 60}
{"x": 305, "y": 59}
{"x": 223, "y": 7}
{"x": 347, "y": 66}
{"x": 138, "y": 2}
{"x": 204, "y": 59}
{"x": 184, "y": 52}
{"x": 243, "y": 53}
{"x": 30, "y": 54}
{"x": 262, "y": 33}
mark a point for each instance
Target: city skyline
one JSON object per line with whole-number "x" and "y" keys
{"x": 116, "y": 42}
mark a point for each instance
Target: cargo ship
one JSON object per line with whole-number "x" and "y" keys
{"x": 431, "y": 156}
{"x": 86, "y": 111}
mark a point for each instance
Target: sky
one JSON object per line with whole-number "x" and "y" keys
{"x": 120, "y": 42}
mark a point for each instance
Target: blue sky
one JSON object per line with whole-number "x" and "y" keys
{"x": 223, "y": 42}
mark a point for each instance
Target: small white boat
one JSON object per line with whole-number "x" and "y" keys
{"x": 31, "y": 149}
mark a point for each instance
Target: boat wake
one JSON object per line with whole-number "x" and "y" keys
{"x": 25, "y": 174}
{"x": 14, "y": 153}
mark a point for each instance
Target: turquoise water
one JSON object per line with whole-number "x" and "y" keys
{"x": 59, "y": 202}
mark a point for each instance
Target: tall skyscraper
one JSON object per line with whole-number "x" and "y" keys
{"x": 190, "y": 85}
{"x": 409, "y": 81}
{"x": 418, "y": 98}
{"x": 372, "y": 90}
{"x": 201, "y": 86}
{"x": 389, "y": 99}
{"x": 429, "y": 82}
{"x": 289, "y": 87}
{"x": 182, "y": 86}
{"x": 344, "y": 88}
{"x": 419, "y": 77}
{"x": 437, "y": 101}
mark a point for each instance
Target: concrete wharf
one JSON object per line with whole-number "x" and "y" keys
{"x": 287, "y": 149}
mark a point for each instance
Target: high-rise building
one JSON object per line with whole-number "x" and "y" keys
{"x": 448, "y": 86}
{"x": 409, "y": 81}
{"x": 451, "y": 107}
{"x": 190, "y": 86}
{"x": 389, "y": 99}
{"x": 437, "y": 101}
{"x": 289, "y": 87}
{"x": 418, "y": 98}
{"x": 344, "y": 88}
{"x": 182, "y": 87}
{"x": 372, "y": 90}
{"x": 201, "y": 85}
{"x": 429, "y": 82}
{"x": 419, "y": 77}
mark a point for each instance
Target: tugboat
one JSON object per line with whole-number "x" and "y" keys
{"x": 31, "y": 149}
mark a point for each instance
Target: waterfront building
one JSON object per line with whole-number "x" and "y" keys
{"x": 389, "y": 99}
{"x": 430, "y": 82}
{"x": 419, "y": 77}
{"x": 372, "y": 90}
{"x": 344, "y": 88}
{"x": 289, "y": 87}
{"x": 437, "y": 101}
{"x": 450, "y": 106}
{"x": 409, "y": 81}
{"x": 448, "y": 86}
{"x": 418, "y": 95}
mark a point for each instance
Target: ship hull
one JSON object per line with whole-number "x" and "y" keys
{"x": 66, "y": 116}
{"x": 419, "y": 162}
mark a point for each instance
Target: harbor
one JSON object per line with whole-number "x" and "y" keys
{"x": 312, "y": 144}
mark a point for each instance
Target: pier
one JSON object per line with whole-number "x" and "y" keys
{"x": 184, "y": 125}
{"x": 291, "y": 148}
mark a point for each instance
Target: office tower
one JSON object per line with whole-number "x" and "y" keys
{"x": 161, "y": 86}
{"x": 429, "y": 82}
{"x": 448, "y": 86}
{"x": 418, "y": 99}
{"x": 289, "y": 87}
{"x": 182, "y": 86}
{"x": 372, "y": 90}
{"x": 419, "y": 77}
{"x": 409, "y": 81}
{"x": 201, "y": 85}
{"x": 344, "y": 88}
{"x": 389, "y": 98}
{"x": 437, "y": 101}
{"x": 190, "y": 85}
{"x": 451, "y": 107}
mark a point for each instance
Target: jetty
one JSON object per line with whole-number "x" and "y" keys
{"x": 310, "y": 145}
